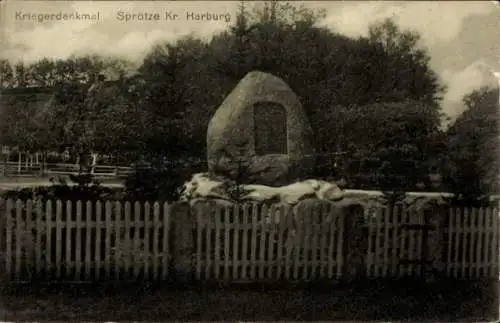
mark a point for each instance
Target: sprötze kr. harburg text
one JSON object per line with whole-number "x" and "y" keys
{"x": 172, "y": 16}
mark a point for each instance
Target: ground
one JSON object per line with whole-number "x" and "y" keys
{"x": 376, "y": 301}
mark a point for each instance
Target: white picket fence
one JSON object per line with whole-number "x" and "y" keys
{"x": 480, "y": 257}
{"x": 251, "y": 242}
{"x": 86, "y": 241}
{"x": 260, "y": 242}
{"x": 471, "y": 238}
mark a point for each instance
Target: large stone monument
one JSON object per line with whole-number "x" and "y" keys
{"x": 260, "y": 143}
{"x": 260, "y": 134}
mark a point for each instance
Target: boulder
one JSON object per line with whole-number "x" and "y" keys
{"x": 260, "y": 134}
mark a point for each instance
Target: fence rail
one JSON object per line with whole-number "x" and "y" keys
{"x": 84, "y": 241}
{"x": 60, "y": 169}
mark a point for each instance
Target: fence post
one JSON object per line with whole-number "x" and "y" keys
{"x": 183, "y": 247}
{"x": 435, "y": 217}
{"x": 355, "y": 242}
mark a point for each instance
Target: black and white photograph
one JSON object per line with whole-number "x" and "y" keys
{"x": 249, "y": 161}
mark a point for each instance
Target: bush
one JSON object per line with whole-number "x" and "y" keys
{"x": 86, "y": 189}
{"x": 159, "y": 181}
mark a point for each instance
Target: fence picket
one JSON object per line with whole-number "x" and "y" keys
{"x": 334, "y": 237}
{"x": 30, "y": 246}
{"x": 494, "y": 250}
{"x": 127, "y": 253}
{"x": 419, "y": 239}
{"x": 486, "y": 237}
{"x": 496, "y": 229}
{"x": 98, "y": 219}
{"x": 137, "y": 241}
{"x": 156, "y": 238}
{"x": 378, "y": 235}
{"x": 236, "y": 239}
{"x": 279, "y": 245}
{"x": 394, "y": 245}
{"x": 387, "y": 226}
{"x": 297, "y": 239}
{"x": 39, "y": 232}
{"x": 479, "y": 246}
{"x": 289, "y": 244}
{"x": 107, "y": 240}
{"x": 208, "y": 241}
{"x": 227, "y": 231}
{"x": 472, "y": 238}
{"x": 371, "y": 250}
{"x": 200, "y": 221}
{"x": 118, "y": 248}
{"x": 324, "y": 220}
{"x": 88, "y": 236}
{"x": 253, "y": 251}
{"x": 463, "y": 262}
{"x": 412, "y": 240}
{"x": 147, "y": 227}
{"x": 262, "y": 247}
{"x": 458, "y": 233}
{"x": 48, "y": 236}
{"x": 78, "y": 247}
{"x": 316, "y": 220}
{"x": 339, "y": 259}
{"x": 494, "y": 253}
{"x": 59, "y": 239}
{"x": 319, "y": 221}
{"x": 19, "y": 238}
{"x": 217, "y": 248}
{"x": 271, "y": 260}
{"x": 403, "y": 249}
{"x": 244, "y": 247}
{"x": 451, "y": 231}
{"x": 306, "y": 224}
{"x": 489, "y": 244}
{"x": 8, "y": 244}
{"x": 166, "y": 237}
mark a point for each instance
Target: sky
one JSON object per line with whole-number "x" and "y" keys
{"x": 462, "y": 37}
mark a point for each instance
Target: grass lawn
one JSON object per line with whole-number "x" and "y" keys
{"x": 451, "y": 301}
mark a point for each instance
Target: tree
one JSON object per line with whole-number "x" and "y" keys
{"x": 386, "y": 145}
{"x": 21, "y": 75}
{"x": 172, "y": 99}
{"x": 118, "y": 123}
{"x": 6, "y": 74}
{"x": 99, "y": 118}
{"x": 405, "y": 68}
{"x": 42, "y": 72}
{"x": 472, "y": 164}
{"x": 235, "y": 63}
{"x": 18, "y": 127}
